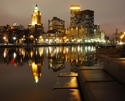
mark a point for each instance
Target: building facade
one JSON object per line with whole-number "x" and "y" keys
{"x": 86, "y": 19}
{"x": 56, "y": 25}
{"x": 74, "y": 9}
{"x": 36, "y": 17}
{"x": 36, "y": 21}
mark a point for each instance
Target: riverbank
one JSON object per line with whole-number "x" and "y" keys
{"x": 114, "y": 52}
{"x": 45, "y": 45}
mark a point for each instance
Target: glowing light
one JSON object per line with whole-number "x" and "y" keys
{"x": 67, "y": 50}
{"x": 12, "y": 27}
{"x": 46, "y": 40}
{"x": 34, "y": 70}
{"x": 78, "y": 40}
{"x": 79, "y": 48}
{"x": 36, "y": 52}
{"x": 122, "y": 36}
{"x": 23, "y": 53}
{"x": 14, "y": 38}
{"x": 40, "y": 37}
{"x": 36, "y": 79}
{"x": 14, "y": 55}
{"x": 40, "y": 51}
{"x": 36, "y": 73}
{"x": 34, "y": 22}
{"x": 36, "y": 17}
{"x": 36, "y": 8}
{"x": 4, "y": 37}
{"x": 5, "y": 53}
{"x": 31, "y": 37}
{"x": 12, "y": 61}
{"x": 34, "y": 66}
{"x": 50, "y": 49}
{"x": 57, "y": 50}
{"x": 121, "y": 43}
{"x": 31, "y": 53}
{"x": 47, "y": 51}
{"x": 75, "y": 7}
{"x": 50, "y": 41}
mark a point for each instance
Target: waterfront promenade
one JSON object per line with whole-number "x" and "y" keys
{"x": 103, "y": 83}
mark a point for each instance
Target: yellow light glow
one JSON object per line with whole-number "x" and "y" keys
{"x": 122, "y": 36}
{"x": 36, "y": 79}
{"x": 36, "y": 17}
{"x": 31, "y": 53}
{"x": 34, "y": 66}
{"x": 40, "y": 37}
{"x": 34, "y": 22}
{"x": 4, "y": 38}
{"x": 35, "y": 70}
{"x": 5, "y": 52}
{"x": 40, "y": 51}
{"x": 75, "y": 7}
{"x": 31, "y": 37}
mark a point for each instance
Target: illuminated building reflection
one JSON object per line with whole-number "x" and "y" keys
{"x": 36, "y": 70}
{"x": 55, "y": 57}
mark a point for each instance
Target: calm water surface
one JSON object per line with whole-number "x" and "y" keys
{"x": 32, "y": 74}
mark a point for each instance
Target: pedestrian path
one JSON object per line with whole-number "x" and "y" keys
{"x": 98, "y": 85}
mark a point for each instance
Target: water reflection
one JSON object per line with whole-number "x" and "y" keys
{"x": 57, "y": 57}
{"x": 36, "y": 70}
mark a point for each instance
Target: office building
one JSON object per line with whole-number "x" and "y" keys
{"x": 56, "y": 25}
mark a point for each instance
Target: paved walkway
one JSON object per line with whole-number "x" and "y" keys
{"x": 98, "y": 84}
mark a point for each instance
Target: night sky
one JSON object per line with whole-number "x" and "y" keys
{"x": 108, "y": 13}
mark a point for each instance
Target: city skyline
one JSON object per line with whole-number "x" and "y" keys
{"x": 109, "y": 17}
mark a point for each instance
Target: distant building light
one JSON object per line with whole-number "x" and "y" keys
{"x": 12, "y": 27}
{"x": 4, "y": 37}
{"x": 40, "y": 37}
{"x": 31, "y": 37}
{"x": 121, "y": 43}
{"x": 75, "y": 7}
{"x": 14, "y": 38}
{"x": 87, "y": 41}
{"x": 78, "y": 40}
{"x": 14, "y": 55}
{"x": 46, "y": 40}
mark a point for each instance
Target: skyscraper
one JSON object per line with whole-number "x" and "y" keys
{"x": 74, "y": 9}
{"x": 86, "y": 19}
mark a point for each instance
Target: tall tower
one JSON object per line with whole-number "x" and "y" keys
{"x": 36, "y": 17}
{"x": 36, "y": 25}
{"x": 74, "y": 10}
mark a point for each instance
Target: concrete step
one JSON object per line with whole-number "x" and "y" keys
{"x": 94, "y": 76}
{"x": 103, "y": 91}
{"x": 90, "y": 67}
